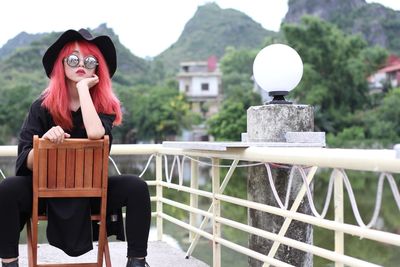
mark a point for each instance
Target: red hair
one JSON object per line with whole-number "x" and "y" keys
{"x": 56, "y": 97}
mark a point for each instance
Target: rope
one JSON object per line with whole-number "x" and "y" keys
{"x": 2, "y": 174}
{"x": 147, "y": 165}
{"x": 349, "y": 189}
{"x": 115, "y": 165}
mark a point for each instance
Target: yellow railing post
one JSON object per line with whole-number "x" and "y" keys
{"x": 159, "y": 194}
{"x": 194, "y": 198}
{"x": 216, "y": 213}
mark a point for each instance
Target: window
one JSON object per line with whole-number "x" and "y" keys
{"x": 204, "y": 87}
{"x": 187, "y": 88}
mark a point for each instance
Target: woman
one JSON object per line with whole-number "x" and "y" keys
{"x": 78, "y": 103}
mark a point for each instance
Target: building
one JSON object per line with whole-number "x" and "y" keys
{"x": 200, "y": 82}
{"x": 386, "y": 77}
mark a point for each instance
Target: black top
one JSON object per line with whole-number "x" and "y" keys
{"x": 39, "y": 121}
{"x": 69, "y": 226}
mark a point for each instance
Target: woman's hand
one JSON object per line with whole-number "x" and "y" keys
{"x": 56, "y": 135}
{"x": 88, "y": 82}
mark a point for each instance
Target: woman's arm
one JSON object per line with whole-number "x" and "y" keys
{"x": 29, "y": 160}
{"x": 94, "y": 127}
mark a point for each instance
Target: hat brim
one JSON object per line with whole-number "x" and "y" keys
{"x": 103, "y": 42}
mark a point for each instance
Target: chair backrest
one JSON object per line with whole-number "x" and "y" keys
{"x": 76, "y": 167}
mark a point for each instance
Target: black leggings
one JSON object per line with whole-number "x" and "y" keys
{"x": 123, "y": 190}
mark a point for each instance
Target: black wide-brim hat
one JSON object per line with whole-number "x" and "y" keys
{"x": 103, "y": 42}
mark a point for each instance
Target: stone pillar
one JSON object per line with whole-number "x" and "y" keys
{"x": 269, "y": 123}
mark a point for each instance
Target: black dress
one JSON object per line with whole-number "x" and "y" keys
{"x": 69, "y": 226}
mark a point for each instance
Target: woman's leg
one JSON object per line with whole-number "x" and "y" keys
{"x": 132, "y": 192}
{"x": 15, "y": 209}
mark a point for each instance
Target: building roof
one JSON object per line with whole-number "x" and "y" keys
{"x": 392, "y": 68}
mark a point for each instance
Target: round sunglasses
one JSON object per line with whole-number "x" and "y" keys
{"x": 89, "y": 62}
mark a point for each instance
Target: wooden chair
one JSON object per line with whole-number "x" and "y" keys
{"x": 75, "y": 168}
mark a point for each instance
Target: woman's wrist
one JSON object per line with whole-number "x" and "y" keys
{"x": 82, "y": 87}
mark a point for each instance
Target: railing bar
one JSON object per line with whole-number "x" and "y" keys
{"x": 376, "y": 235}
{"x": 186, "y": 207}
{"x": 134, "y": 149}
{"x": 152, "y": 182}
{"x": 383, "y": 160}
{"x": 225, "y": 182}
{"x": 226, "y": 243}
{"x": 251, "y": 253}
{"x": 194, "y": 199}
{"x": 228, "y": 175}
{"x": 339, "y": 212}
{"x": 187, "y": 189}
{"x": 295, "y": 206}
{"x": 216, "y": 176}
{"x": 159, "y": 194}
{"x": 186, "y": 226}
{"x": 377, "y": 160}
{"x": 8, "y": 151}
{"x": 324, "y": 253}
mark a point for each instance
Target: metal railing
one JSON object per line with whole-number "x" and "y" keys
{"x": 307, "y": 162}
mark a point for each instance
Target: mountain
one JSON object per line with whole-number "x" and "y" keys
{"x": 377, "y": 24}
{"x": 210, "y": 31}
{"x": 22, "y": 39}
{"x": 25, "y": 52}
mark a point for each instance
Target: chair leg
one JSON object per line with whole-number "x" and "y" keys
{"x": 29, "y": 241}
{"x": 32, "y": 240}
{"x": 107, "y": 253}
{"x": 35, "y": 224}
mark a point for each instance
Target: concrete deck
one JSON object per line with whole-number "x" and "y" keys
{"x": 160, "y": 254}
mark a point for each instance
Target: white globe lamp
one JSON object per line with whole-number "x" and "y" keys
{"x": 278, "y": 69}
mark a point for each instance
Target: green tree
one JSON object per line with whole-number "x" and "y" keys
{"x": 231, "y": 120}
{"x": 153, "y": 113}
{"x": 14, "y": 105}
{"x": 383, "y": 122}
{"x": 237, "y": 70}
{"x": 335, "y": 69}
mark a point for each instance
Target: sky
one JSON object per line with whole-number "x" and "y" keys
{"x": 145, "y": 27}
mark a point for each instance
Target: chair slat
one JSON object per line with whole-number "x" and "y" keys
{"x": 97, "y": 167}
{"x": 42, "y": 168}
{"x": 52, "y": 168}
{"x": 70, "y": 169}
{"x": 73, "y": 143}
{"x": 88, "y": 168}
{"x": 79, "y": 158}
{"x": 70, "y": 192}
{"x": 61, "y": 166}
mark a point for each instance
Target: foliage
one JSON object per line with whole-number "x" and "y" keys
{"x": 377, "y": 127}
{"x": 231, "y": 121}
{"x": 335, "y": 67}
{"x": 384, "y": 120}
{"x": 154, "y": 113}
{"x": 237, "y": 69}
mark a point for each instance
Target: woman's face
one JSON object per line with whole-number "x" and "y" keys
{"x": 78, "y": 66}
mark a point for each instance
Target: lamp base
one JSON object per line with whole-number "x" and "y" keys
{"x": 278, "y": 97}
